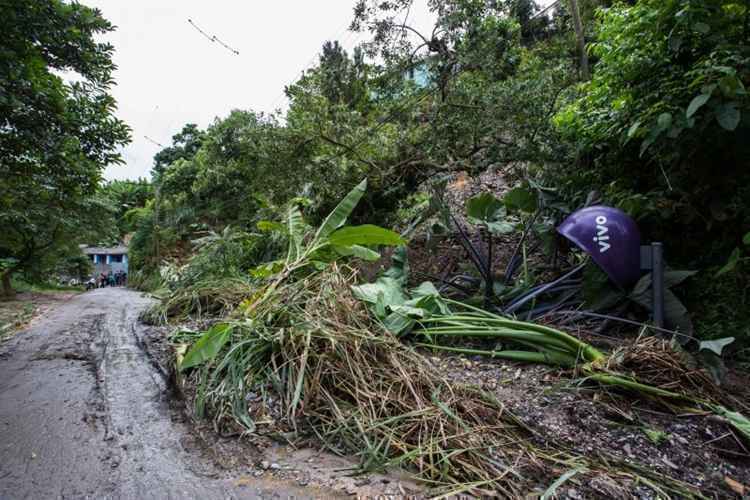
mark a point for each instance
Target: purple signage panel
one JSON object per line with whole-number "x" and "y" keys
{"x": 612, "y": 239}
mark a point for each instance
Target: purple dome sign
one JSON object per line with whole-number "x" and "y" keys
{"x": 612, "y": 239}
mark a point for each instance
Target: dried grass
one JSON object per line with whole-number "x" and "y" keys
{"x": 216, "y": 297}
{"x": 364, "y": 391}
{"x": 344, "y": 380}
{"x": 656, "y": 362}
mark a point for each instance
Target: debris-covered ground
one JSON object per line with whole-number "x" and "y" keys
{"x": 696, "y": 449}
{"x": 267, "y": 453}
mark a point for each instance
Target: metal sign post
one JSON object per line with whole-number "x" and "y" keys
{"x": 652, "y": 259}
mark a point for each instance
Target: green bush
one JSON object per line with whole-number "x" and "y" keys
{"x": 662, "y": 126}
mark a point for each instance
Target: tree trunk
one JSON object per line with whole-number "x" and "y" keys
{"x": 7, "y": 291}
{"x": 580, "y": 41}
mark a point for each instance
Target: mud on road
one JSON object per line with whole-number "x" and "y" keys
{"x": 84, "y": 413}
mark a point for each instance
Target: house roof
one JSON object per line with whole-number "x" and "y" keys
{"x": 120, "y": 249}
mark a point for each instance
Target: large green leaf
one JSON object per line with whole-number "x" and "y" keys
{"x": 664, "y": 121}
{"x": 357, "y": 251}
{"x": 388, "y": 303}
{"x": 487, "y": 210}
{"x": 366, "y": 234}
{"x": 738, "y": 421}
{"x": 671, "y": 278}
{"x": 731, "y": 263}
{"x": 389, "y": 288}
{"x": 484, "y": 208}
{"x": 296, "y": 231}
{"x": 429, "y": 304}
{"x": 696, "y": 104}
{"x": 716, "y": 346}
{"x": 399, "y": 324}
{"x": 403, "y": 316}
{"x": 338, "y": 216}
{"x": 598, "y": 291}
{"x": 728, "y": 116}
{"x": 425, "y": 288}
{"x": 521, "y": 198}
{"x": 399, "y": 269}
{"x": 731, "y": 86}
{"x": 208, "y": 346}
{"x": 675, "y": 313}
{"x": 675, "y": 277}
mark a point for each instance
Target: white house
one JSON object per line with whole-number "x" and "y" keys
{"x": 108, "y": 259}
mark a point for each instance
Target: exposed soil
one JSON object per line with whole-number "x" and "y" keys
{"x": 697, "y": 449}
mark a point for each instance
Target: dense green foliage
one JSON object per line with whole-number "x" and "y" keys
{"x": 662, "y": 126}
{"x": 56, "y": 137}
{"x": 659, "y": 131}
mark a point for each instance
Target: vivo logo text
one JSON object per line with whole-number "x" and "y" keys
{"x": 602, "y": 234}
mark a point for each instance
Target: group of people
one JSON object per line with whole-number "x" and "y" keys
{"x": 118, "y": 278}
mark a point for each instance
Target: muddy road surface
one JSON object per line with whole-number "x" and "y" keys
{"x": 84, "y": 413}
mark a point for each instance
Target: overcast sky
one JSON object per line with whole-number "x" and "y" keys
{"x": 169, "y": 74}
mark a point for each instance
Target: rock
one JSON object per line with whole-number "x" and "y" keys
{"x": 275, "y": 466}
{"x": 680, "y": 439}
{"x": 265, "y": 465}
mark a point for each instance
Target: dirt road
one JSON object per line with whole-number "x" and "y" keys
{"x": 84, "y": 413}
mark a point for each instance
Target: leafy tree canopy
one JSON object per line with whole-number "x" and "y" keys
{"x": 56, "y": 136}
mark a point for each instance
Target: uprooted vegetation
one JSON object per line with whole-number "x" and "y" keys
{"x": 306, "y": 334}
{"x": 477, "y": 142}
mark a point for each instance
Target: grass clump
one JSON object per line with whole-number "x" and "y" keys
{"x": 208, "y": 297}
{"x": 350, "y": 383}
{"x": 344, "y": 380}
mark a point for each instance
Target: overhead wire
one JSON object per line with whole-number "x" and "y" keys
{"x": 153, "y": 141}
{"x": 213, "y": 38}
{"x": 381, "y": 123}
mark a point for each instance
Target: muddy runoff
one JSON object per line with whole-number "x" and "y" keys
{"x": 84, "y": 412}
